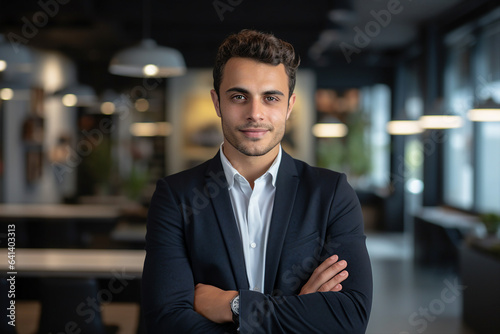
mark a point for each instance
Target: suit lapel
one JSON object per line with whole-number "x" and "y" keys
{"x": 225, "y": 217}
{"x": 286, "y": 189}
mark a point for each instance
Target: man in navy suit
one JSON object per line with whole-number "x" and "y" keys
{"x": 253, "y": 240}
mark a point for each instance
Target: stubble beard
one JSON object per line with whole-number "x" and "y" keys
{"x": 248, "y": 150}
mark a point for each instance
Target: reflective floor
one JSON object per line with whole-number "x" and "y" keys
{"x": 410, "y": 299}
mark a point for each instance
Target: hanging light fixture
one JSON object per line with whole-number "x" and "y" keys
{"x": 489, "y": 111}
{"x": 404, "y": 127}
{"x": 14, "y": 58}
{"x": 148, "y": 59}
{"x": 77, "y": 95}
{"x": 330, "y": 128}
{"x": 404, "y": 123}
{"x": 438, "y": 119}
{"x": 14, "y": 91}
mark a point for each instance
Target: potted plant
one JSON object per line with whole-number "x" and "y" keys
{"x": 492, "y": 222}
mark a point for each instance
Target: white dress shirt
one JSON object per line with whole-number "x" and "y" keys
{"x": 252, "y": 211}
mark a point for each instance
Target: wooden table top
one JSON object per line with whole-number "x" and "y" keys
{"x": 99, "y": 263}
{"x": 59, "y": 211}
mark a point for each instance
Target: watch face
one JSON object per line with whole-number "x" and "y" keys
{"x": 235, "y": 304}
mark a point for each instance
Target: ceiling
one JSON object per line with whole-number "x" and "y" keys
{"x": 90, "y": 32}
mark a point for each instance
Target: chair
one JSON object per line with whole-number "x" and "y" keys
{"x": 71, "y": 305}
{"x": 4, "y": 304}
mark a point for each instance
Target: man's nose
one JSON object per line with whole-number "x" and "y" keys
{"x": 255, "y": 111}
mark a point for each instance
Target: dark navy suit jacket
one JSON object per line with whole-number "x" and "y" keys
{"x": 192, "y": 238}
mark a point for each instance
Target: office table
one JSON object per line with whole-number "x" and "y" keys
{"x": 98, "y": 263}
{"x": 59, "y": 211}
{"x": 59, "y": 225}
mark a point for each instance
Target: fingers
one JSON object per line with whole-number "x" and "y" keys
{"x": 327, "y": 276}
{"x": 334, "y": 283}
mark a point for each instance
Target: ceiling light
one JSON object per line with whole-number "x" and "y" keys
{"x": 404, "y": 127}
{"x": 69, "y": 100}
{"x": 141, "y": 105}
{"x": 329, "y": 130}
{"x": 14, "y": 91}
{"x": 77, "y": 95}
{"x": 438, "y": 118}
{"x": 148, "y": 60}
{"x": 14, "y": 57}
{"x": 6, "y": 94}
{"x": 107, "y": 108}
{"x": 149, "y": 129}
{"x": 441, "y": 121}
{"x": 486, "y": 112}
{"x": 150, "y": 70}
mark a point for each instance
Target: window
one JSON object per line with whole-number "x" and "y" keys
{"x": 472, "y": 153}
{"x": 458, "y": 150}
{"x": 488, "y": 133}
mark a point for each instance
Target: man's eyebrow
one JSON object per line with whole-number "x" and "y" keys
{"x": 238, "y": 90}
{"x": 273, "y": 92}
{"x": 244, "y": 91}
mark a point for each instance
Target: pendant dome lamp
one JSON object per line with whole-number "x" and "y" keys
{"x": 439, "y": 118}
{"x": 488, "y": 111}
{"x": 148, "y": 59}
{"x": 14, "y": 58}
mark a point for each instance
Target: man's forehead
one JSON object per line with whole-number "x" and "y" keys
{"x": 246, "y": 72}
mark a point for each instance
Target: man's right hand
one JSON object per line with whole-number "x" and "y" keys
{"x": 327, "y": 276}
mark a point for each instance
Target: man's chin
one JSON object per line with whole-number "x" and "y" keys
{"x": 255, "y": 151}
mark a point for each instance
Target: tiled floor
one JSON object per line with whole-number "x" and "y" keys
{"x": 407, "y": 299}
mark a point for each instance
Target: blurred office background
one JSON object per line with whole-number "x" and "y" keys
{"x": 402, "y": 96}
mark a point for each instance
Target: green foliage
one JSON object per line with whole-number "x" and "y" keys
{"x": 349, "y": 154}
{"x": 491, "y": 221}
{"x": 135, "y": 184}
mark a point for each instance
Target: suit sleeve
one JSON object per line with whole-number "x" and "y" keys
{"x": 346, "y": 311}
{"x": 167, "y": 281}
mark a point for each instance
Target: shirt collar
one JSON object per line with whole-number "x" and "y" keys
{"x": 231, "y": 172}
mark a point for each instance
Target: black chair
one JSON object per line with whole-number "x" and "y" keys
{"x": 4, "y": 304}
{"x": 71, "y": 305}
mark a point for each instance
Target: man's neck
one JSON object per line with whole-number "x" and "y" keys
{"x": 250, "y": 167}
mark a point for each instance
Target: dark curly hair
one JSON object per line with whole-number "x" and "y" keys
{"x": 262, "y": 47}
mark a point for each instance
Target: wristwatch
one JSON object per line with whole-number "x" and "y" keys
{"x": 235, "y": 309}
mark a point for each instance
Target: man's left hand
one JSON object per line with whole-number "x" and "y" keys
{"x": 213, "y": 303}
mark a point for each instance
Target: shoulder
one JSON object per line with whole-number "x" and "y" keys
{"x": 315, "y": 175}
{"x": 195, "y": 177}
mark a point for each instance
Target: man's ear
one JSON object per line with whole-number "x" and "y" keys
{"x": 291, "y": 102}
{"x": 216, "y": 102}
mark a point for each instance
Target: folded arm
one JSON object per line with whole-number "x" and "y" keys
{"x": 319, "y": 308}
{"x": 213, "y": 302}
{"x": 167, "y": 281}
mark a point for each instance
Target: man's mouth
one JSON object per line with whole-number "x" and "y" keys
{"x": 254, "y": 133}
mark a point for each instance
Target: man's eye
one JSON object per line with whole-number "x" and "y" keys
{"x": 271, "y": 98}
{"x": 238, "y": 97}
